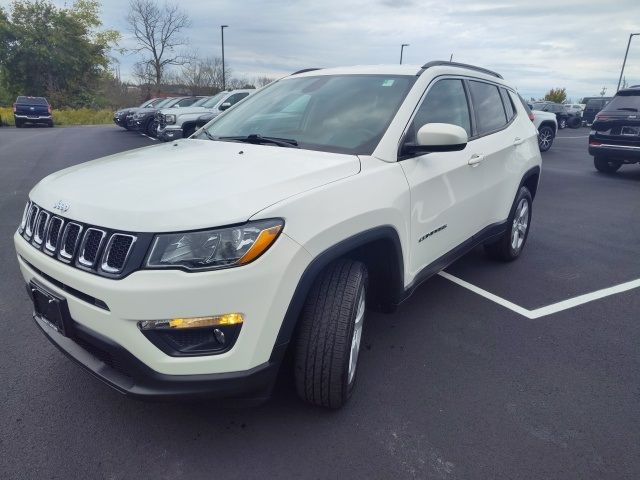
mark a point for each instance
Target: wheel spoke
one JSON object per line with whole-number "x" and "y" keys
{"x": 357, "y": 335}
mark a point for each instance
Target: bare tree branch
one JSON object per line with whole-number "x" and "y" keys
{"x": 157, "y": 31}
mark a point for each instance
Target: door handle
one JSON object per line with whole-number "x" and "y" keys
{"x": 475, "y": 159}
{"x": 518, "y": 141}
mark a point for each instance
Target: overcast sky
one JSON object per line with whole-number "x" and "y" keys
{"x": 536, "y": 45}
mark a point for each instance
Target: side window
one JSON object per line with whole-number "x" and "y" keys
{"x": 488, "y": 107}
{"x": 508, "y": 104}
{"x": 185, "y": 102}
{"x": 236, "y": 97}
{"x": 446, "y": 102}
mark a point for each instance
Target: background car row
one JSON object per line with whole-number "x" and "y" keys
{"x": 176, "y": 117}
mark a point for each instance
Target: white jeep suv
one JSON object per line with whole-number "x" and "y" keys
{"x": 173, "y": 124}
{"x": 190, "y": 268}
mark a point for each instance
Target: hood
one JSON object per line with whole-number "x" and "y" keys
{"x": 188, "y": 184}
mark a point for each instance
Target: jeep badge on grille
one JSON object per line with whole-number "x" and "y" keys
{"x": 61, "y": 206}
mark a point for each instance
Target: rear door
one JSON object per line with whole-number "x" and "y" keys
{"x": 497, "y": 139}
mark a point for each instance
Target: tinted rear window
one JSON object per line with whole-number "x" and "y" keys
{"x": 596, "y": 103}
{"x": 488, "y": 106}
{"x": 624, "y": 101}
{"x": 32, "y": 100}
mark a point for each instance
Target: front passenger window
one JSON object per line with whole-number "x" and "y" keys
{"x": 445, "y": 102}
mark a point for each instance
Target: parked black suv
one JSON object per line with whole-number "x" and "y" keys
{"x": 592, "y": 106}
{"x": 615, "y": 135}
{"x": 564, "y": 118}
{"x": 32, "y": 110}
{"x": 144, "y": 118}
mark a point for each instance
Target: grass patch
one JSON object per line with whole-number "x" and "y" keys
{"x": 69, "y": 116}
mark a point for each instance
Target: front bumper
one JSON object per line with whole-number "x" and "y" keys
{"x": 169, "y": 133}
{"x": 115, "y": 366}
{"x": 261, "y": 290}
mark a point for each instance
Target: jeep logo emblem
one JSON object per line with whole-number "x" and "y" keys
{"x": 61, "y": 206}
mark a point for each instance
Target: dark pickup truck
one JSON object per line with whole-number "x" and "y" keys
{"x": 32, "y": 110}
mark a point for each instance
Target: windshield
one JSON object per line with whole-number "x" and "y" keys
{"x": 334, "y": 113}
{"x": 624, "y": 102}
{"x": 200, "y": 102}
{"x": 212, "y": 101}
{"x": 164, "y": 102}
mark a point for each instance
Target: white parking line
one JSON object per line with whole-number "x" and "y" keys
{"x": 549, "y": 309}
{"x": 581, "y": 136}
{"x": 150, "y": 138}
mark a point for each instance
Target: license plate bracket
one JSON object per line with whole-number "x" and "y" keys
{"x": 631, "y": 131}
{"x": 50, "y": 308}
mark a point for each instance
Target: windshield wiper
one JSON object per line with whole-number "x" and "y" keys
{"x": 260, "y": 140}
{"x": 630, "y": 109}
{"x": 209, "y": 136}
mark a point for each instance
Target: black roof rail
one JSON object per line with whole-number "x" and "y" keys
{"x": 439, "y": 63}
{"x": 305, "y": 70}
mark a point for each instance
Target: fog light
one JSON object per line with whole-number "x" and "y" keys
{"x": 193, "y": 322}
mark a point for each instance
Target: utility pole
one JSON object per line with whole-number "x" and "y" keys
{"x": 625, "y": 58}
{"x": 222, "y": 27}
{"x": 401, "y": 50}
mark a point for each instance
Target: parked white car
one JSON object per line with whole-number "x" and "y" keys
{"x": 190, "y": 268}
{"x": 547, "y": 125}
{"x": 178, "y": 124}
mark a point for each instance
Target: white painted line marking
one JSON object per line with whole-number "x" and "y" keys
{"x": 150, "y": 138}
{"x": 581, "y": 136}
{"x": 549, "y": 309}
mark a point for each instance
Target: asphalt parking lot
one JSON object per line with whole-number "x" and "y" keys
{"x": 460, "y": 383}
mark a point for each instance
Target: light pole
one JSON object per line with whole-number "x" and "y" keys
{"x": 401, "y": 50}
{"x": 222, "y": 27}
{"x": 625, "y": 58}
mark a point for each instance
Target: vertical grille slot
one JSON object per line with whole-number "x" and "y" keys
{"x": 41, "y": 227}
{"x": 25, "y": 214}
{"x": 53, "y": 234}
{"x": 69, "y": 242}
{"x": 117, "y": 252}
{"x": 90, "y": 247}
{"x": 31, "y": 220}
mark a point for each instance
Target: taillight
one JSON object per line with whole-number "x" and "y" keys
{"x": 49, "y": 109}
{"x": 14, "y": 108}
{"x": 602, "y": 117}
{"x": 532, "y": 117}
{"x": 595, "y": 143}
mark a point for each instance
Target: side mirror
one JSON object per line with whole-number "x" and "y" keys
{"x": 224, "y": 106}
{"x": 438, "y": 137}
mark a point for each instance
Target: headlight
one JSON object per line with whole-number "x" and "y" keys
{"x": 170, "y": 119}
{"x": 213, "y": 249}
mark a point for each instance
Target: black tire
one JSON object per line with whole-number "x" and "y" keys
{"x": 546, "y": 134}
{"x": 504, "y": 249}
{"x": 50, "y": 124}
{"x": 562, "y": 123}
{"x": 18, "y": 123}
{"x": 324, "y": 340}
{"x": 574, "y": 122}
{"x": 150, "y": 127}
{"x": 606, "y": 166}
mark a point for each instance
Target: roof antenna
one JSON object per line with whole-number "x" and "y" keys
{"x": 451, "y": 58}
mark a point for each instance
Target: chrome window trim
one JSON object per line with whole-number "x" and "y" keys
{"x": 81, "y": 259}
{"x": 105, "y": 256}
{"x": 63, "y": 254}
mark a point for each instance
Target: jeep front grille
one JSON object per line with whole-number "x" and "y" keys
{"x": 94, "y": 249}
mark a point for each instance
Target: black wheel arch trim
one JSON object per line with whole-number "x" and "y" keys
{"x": 384, "y": 233}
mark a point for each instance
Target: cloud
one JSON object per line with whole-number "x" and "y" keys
{"x": 577, "y": 44}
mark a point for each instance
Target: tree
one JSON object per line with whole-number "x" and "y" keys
{"x": 158, "y": 33}
{"x": 57, "y": 52}
{"x": 203, "y": 75}
{"x": 262, "y": 81}
{"x": 557, "y": 95}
